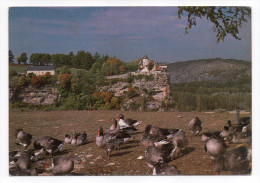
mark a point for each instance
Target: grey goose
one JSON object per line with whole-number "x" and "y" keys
{"x": 165, "y": 169}
{"x": 63, "y": 165}
{"x": 159, "y": 155}
{"x": 179, "y": 141}
{"x": 215, "y": 148}
{"x": 237, "y": 159}
{"x": 107, "y": 141}
{"x": 24, "y": 139}
{"x": 122, "y": 122}
{"x": 195, "y": 126}
{"x": 48, "y": 145}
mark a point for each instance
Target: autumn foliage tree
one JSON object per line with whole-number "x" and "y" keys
{"x": 64, "y": 80}
{"x": 113, "y": 66}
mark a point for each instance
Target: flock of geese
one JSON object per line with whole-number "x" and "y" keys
{"x": 163, "y": 146}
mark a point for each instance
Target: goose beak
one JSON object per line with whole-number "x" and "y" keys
{"x": 227, "y": 141}
{"x": 82, "y": 163}
{"x": 46, "y": 165}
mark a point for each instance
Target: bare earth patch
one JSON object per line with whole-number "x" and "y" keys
{"x": 125, "y": 161}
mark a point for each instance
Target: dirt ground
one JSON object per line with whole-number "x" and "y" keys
{"x": 124, "y": 162}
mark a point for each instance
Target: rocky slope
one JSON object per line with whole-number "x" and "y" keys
{"x": 43, "y": 96}
{"x": 219, "y": 70}
{"x": 149, "y": 93}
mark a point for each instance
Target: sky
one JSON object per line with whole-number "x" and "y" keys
{"x": 127, "y": 33}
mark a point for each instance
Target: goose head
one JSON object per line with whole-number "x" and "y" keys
{"x": 17, "y": 131}
{"x": 100, "y": 132}
{"x": 226, "y": 134}
{"x": 114, "y": 124}
{"x": 120, "y": 116}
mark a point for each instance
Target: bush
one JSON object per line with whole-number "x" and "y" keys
{"x": 12, "y": 73}
{"x": 135, "y": 106}
{"x": 71, "y": 103}
{"x": 113, "y": 66}
{"x": 65, "y": 80}
{"x": 36, "y": 81}
{"x": 64, "y": 70}
{"x": 115, "y": 103}
{"x": 220, "y": 110}
{"x": 30, "y": 75}
{"x": 149, "y": 78}
{"x": 23, "y": 81}
{"x": 14, "y": 83}
{"x": 131, "y": 93}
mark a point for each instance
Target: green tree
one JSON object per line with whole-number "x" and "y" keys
{"x": 18, "y": 59}
{"x": 45, "y": 59}
{"x": 35, "y": 58}
{"x": 133, "y": 65}
{"x": 71, "y": 56}
{"x": 113, "y": 66}
{"x": 12, "y": 73}
{"x": 226, "y": 20}
{"x": 23, "y": 58}
{"x": 78, "y": 59}
{"x": 11, "y": 56}
{"x": 14, "y": 83}
{"x": 64, "y": 70}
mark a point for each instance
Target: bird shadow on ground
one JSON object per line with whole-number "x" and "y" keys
{"x": 128, "y": 147}
{"x": 135, "y": 133}
{"x": 242, "y": 172}
{"x": 89, "y": 142}
{"x": 186, "y": 151}
{"x": 66, "y": 151}
{"x": 76, "y": 174}
{"x": 133, "y": 142}
{"x": 121, "y": 153}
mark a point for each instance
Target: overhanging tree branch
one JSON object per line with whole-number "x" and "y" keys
{"x": 226, "y": 20}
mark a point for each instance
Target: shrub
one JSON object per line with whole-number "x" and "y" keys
{"x": 106, "y": 106}
{"x": 36, "y": 81}
{"x": 64, "y": 70}
{"x": 64, "y": 80}
{"x": 115, "y": 103}
{"x": 30, "y": 75}
{"x": 14, "y": 82}
{"x": 113, "y": 66}
{"x": 135, "y": 106}
{"x": 149, "y": 77}
{"x": 220, "y": 110}
{"x": 12, "y": 73}
{"x": 106, "y": 96}
{"x": 23, "y": 81}
{"x": 131, "y": 92}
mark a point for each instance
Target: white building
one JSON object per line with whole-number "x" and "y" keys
{"x": 156, "y": 67}
{"x": 40, "y": 70}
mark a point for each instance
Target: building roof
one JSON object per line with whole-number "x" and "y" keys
{"x": 145, "y": 57}
{"x": 40, "y": 68}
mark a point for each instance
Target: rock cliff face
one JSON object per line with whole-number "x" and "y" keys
{"x": 150, "y": 94}
{"x": 44, "y": 96}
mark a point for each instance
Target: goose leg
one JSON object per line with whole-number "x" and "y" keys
{"x": 118, "y": 147}
{"x": 172, "y": 153}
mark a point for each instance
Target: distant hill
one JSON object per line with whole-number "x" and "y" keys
{"x": 217, "y": 70}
